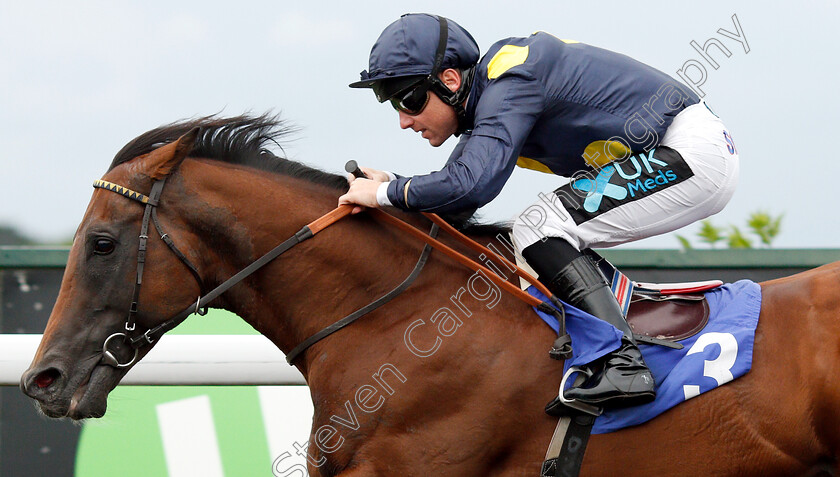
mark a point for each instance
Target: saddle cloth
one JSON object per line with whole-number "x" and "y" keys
{"x": 719, "y": 353}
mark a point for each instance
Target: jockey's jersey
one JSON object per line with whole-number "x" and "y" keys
{"x": 557, "y": 106}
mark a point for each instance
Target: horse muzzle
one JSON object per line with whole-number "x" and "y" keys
{"x": 58, "y": 394}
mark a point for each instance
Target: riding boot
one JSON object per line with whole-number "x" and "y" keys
{"x": 620, "y": 378}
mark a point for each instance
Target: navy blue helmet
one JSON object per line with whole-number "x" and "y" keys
{"x": 410, "y": 53}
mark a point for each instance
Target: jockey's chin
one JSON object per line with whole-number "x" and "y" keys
{"x": 437, "y": 141}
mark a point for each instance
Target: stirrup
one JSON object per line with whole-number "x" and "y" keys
{"x": 573, "y": 403}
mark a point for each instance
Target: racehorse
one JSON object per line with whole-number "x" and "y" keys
{"x": 448, "y": 379}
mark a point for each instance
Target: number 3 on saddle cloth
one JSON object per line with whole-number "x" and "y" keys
{"x": 718, "y": 353}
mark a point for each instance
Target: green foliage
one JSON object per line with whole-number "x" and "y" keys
{"x": 684, "y": 242}
{"x": 764, "y": 226}
{"x": 737, "y": 239}
{"x": 761, "y": 224}
{"x": 11, "y": 236}
{"x": 709, "y": 233}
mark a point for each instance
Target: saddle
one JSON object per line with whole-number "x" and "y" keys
{"x": 659, "y": 313}
{"x": 662, "y": 312}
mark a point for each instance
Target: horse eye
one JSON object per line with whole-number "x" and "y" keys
{"x": 103, "y": 246}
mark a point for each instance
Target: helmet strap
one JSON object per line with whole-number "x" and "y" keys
{"x": 443, "y": 39}
{"x": 456, "y": 99}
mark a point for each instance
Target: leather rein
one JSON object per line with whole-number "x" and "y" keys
{"x": 150, "y": 336}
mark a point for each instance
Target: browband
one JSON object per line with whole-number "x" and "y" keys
{"x": 100, "y": 184}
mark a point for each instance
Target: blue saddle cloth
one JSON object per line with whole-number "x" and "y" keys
{"x": 721, "y": 352}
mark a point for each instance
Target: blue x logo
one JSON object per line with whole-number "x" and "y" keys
{"x": 597, "y": 189}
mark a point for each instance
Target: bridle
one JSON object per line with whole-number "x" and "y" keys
{"x": 149, "y": 215}
{"x": 561, "y": 348}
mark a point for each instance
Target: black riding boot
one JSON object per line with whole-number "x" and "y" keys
{"x": 621, "y": 378}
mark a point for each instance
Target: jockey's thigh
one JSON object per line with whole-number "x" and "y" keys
{"x": 705, "y": 145}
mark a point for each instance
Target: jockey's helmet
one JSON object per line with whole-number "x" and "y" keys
{"x": 410, "y": 53}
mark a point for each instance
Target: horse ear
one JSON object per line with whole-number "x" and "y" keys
{"x": 165, "y": 159}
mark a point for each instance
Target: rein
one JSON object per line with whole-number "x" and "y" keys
{"x": 562, "y": 347}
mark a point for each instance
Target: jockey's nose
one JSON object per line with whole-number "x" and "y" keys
{"x": 405, "y": 120}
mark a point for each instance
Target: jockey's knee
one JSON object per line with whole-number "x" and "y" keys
{"x": 536, "y": 224}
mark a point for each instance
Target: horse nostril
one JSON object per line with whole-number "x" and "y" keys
{"x": 45, "y": 378}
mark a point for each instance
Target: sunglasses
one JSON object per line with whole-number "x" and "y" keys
{"x": 412, "y": 100}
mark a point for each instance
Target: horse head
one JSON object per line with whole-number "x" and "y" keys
{"x": 105, "y": 298}
{"x": 174, "y": 217}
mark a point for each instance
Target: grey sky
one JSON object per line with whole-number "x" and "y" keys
{"x": 78, "y": 80}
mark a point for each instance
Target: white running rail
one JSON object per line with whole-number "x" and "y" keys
{"x": 186, "y": 360}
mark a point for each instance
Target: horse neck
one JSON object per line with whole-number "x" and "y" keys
{"x": 243, "y": 213}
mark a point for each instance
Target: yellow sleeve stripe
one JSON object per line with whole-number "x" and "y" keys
{"x": 600, "y": 153}
{"x": 528, "y": 163}
{"x": 506, "y": 58}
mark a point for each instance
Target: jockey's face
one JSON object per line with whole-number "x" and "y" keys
{"x": 437, "y": 121}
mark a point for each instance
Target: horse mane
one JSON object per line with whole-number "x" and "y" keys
{"x": 243, "y": 140}
{"x": 246, "y": 140}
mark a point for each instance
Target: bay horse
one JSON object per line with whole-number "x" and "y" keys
{"x": 438, "y": 382}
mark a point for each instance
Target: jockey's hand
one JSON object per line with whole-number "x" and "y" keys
{"x": 371, "y": 173}
{"x": 362, "y": 193}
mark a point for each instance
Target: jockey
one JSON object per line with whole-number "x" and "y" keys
{"x": 645, "y": 156}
